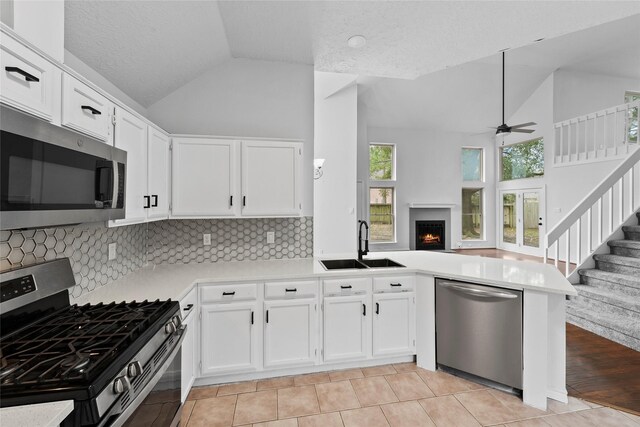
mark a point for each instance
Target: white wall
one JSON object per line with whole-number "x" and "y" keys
{"x": 246, "y": 98}
{"x": 72, "y": 61}
{"x": 429, "y": 170}
{"x": 39, "y": 22}
{"x": 577, "y": 93}
{"x": 335, "y": 195}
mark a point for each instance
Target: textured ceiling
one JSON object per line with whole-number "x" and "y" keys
{"x": 146, "y": 48}
{"x": 467, "y": 98}
{"x": 405, "y": 39}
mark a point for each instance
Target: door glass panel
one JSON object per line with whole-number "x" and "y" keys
{"x": 509, "y": 218}
{"x": 531, "y": 214}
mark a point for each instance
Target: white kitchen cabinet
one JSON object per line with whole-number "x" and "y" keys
{"x": 85, "y": 110}
{"x": 204, "y": 177}
{"x": 188, "y": 373}
{"x": 271, "y": 178}
{"x": 229, "y": 338}
{"x": 393, "y": 323}
{"x": 158, "y": 162}
{"x": 131, "y": 136}
{"x": 346, "y": 327}
{"x": 290, "y": 334}
{"x": 27, "y": 80}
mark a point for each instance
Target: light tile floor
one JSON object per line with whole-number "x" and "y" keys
{"x": 400, "y": 395}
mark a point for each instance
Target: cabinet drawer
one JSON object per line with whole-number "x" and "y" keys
{"x": 27, "y": 79}
{"x": 290, "y": 289}
{"x": 229, "y": 293}
{"x": 346, "y": 286}
{"x": 393, "y": 283}
{"x": 188, "y": 303}
{"x": 85, "y": 110}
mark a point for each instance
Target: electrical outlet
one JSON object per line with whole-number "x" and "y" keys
{"x": 206, "y": 239}
{"x": 112, "y": 251}
{"x": 271, "y": 237}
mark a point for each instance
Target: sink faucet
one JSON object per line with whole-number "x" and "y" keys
{"x": 366, "y": 240}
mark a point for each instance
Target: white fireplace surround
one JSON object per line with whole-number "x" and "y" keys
{"x": 430, "y": 212}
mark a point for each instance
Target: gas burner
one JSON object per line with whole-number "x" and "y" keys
{"x": 7, "y": 370}
{"x": 77, "y": 361}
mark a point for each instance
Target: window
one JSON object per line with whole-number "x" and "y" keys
{"x": 522, "y": 160}
{"x": 381, "y": 162}
{"x": 472, "y": 208}
{"x": 633, "y": 116}
{"x": 381, "y": 214}
{"x": 472, "y": 164}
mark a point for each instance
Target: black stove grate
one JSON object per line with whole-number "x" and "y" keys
{"x": 74, "y": 344}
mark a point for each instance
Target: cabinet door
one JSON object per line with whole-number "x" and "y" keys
{"x": 158, "y": 174}
{"x": 345, "y": 327}
{"x": 131, "y": 136}
{"x": 228, "y": 338}
{"x": 393, "y": 323}
{"x": 270, "y": 178}
{"x": 188, "y": 357}
{"x": 85, "y": 110}
{"x": 203, "y": 177}
{"x": 27, "y": 79}
{"x": 290, "y": 334}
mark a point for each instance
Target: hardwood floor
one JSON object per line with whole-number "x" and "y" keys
{"x": 598, "y": 370}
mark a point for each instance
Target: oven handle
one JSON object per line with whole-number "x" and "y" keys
{"x": 124, "y": 415}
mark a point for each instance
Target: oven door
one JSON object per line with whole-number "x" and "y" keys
{"x": 51, "y": 176}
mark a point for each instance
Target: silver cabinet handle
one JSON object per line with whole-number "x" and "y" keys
{"x": 479, "y": 292}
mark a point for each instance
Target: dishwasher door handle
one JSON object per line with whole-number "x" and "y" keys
{"x": 478, "y": 292}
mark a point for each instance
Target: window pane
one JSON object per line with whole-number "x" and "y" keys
{"x": 632, "y": 123}
{"x": 531, "y": 213}
{"x": 472, "y": 164}
{"x": 381, "y": 215}
{"x": 524, "y": 160}
{"x": 472, "y": 218}
{"x": 509, "y": 218}
{"x": 380, "y": 162}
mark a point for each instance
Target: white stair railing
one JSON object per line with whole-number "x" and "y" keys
{"x": 598, "y": 136}
{"x": 596, "y": 217}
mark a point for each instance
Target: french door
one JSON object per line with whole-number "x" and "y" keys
{"x": 522, "y": 223}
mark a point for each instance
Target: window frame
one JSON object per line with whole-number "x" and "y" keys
{"x": 384, "y": 183}
{"x": 500, "y": 158}
{"x": 472, "y": 183}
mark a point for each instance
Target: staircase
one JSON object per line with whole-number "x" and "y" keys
{"x": 608, "y": 301}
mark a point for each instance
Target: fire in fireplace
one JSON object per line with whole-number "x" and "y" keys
{"x": 430, "y": 235}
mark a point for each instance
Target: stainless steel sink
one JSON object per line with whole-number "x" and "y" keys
{"x": 381, "y": 263}
{"x": 342, "y": 264}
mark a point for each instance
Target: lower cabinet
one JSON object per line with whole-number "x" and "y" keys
{"x": 393, "y": 323}
{"x": 229, "y": 338}
{"x": 345, "y": 327}
{"x": 188, "y": 356}
{"x": 290, "y": 333}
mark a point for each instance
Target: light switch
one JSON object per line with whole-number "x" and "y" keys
{"x": 112, "y": 251}
{"x": 206, "y": 239}
{"x": 271, "y": 237}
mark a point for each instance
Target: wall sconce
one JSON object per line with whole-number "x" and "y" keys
{"x": 317, "y": 168}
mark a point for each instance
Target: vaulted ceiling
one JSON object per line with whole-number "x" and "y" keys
{"x": 150, "y": 48}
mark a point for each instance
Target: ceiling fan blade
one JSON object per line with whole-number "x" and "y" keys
{"x": 522, "y": 130}
{"x": 524, "y": 125}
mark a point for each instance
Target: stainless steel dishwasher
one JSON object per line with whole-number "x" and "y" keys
{"x": 479, "y": 331}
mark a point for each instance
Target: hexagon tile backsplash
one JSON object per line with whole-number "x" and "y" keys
{"x": 180, "y": 241}
{"x": 161, "y": 242}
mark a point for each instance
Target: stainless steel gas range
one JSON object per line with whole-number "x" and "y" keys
{"x": 118, "y": 362}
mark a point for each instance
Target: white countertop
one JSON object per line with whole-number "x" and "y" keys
{"x": 174, "y": 281}
{"x": 48, "y": 414}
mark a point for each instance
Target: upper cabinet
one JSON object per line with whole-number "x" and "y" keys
{"x": 270, "y": 178}
{"x": 85, "y": 110}
{"x": 226, "y": 178}
{"x": 158, "y": 184}
{"x": 204, "y": 177}
{"x": 27, "y": 79}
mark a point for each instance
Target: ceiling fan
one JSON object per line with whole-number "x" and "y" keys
{"x": 504, "y": 128}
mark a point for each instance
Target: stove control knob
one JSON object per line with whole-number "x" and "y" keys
{"x": 169, "y": 328}
{"x": 134, "y": 369}
{"x": 120, "y": 384}
{"x": 177, "y": 321}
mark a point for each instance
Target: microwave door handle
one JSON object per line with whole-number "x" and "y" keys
{"x": 116, "y": 180}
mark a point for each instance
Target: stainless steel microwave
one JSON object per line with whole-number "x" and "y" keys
{"x": 52, "y": 176}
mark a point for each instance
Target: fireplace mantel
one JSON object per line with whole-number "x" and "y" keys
{"x": 432, "y": 205}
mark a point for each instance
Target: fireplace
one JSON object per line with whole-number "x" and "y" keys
{"x": 430, "y": 235}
